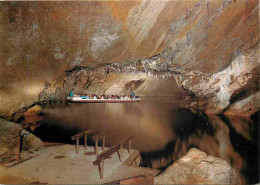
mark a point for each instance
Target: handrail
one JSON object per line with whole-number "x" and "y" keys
{"x": 107, "y": 153}
{"x": 77, "y": 136}
{"x": 101, "y": 134}
{"x": 126, "y": 139}
{"x": 97, "y": 137}
{"x": 81, "y": 134}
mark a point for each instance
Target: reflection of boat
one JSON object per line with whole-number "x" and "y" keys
{"x": 81, "y": 100}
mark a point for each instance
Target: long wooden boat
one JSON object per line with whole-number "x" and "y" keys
{"x": 80, "y": 100}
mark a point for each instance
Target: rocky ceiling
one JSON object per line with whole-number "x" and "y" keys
{"x": 42, "y": 40}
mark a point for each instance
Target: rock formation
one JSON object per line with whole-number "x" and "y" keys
{"x": 197, "y": 167}
{"x": 9, "y": 141}
{"x": 210, "y": 46}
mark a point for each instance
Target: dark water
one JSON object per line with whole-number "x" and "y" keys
{"x": 162, "y": 132}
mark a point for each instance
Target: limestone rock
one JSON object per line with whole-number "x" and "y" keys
{"x": 30, "y": 141}
{"x": 218, "y": 88}
{"x": 245, "y": 107}
{"x": 33, "y": 111}
{"x": 32, "y": 116}
{"x": 184, "y": 39}
{"x": 197, "y": 167}
{"x": 3, "y": 150}
{"x": 9, "y": 140}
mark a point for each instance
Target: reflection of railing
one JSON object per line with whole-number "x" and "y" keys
{"x": 97, "y": 137}
{"x": 77, "y": 136}
{"x": 110, "y": 151}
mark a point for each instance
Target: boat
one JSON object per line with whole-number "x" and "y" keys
{"x": 81, "y": 100}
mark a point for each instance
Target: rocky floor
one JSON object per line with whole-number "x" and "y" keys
{"x": 59, "y": 164}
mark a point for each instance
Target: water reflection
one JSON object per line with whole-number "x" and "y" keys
{"x": 162, "y": 132}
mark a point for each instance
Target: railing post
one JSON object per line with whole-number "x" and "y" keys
{"x": 96, "y": 146}
{"x": 103, "y": 143}
{"x": 101, "y": 168}
{"x": 85, "y": 137}
{"x": 19, "y": 146}
{"x": 77, "y": 145}
{"x": 119, "y": 155}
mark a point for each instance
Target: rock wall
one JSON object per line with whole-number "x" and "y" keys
{"x": 238, "y": 82}
{"x": 40, "y": 41}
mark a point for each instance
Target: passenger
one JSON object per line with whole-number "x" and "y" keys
{"x": 94, "y": 97}
{"x": 132, "y": 95}
{"x": 87, "y": 97}
{"x": 71, "y": 94}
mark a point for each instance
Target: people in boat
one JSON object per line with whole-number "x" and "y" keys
{"x": 132, "y": 95}
{"x": 71, "y": 94}
{"x": 83, "y": 96}
{"x": 103, "y": 96}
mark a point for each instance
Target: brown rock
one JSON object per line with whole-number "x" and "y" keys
{"x": 32, "y": 116}
{"x": 33, "y": 111}
{"x": 30, "y": 141}
{"x": 3, "y": 150}
{"x": 40, "y": 35}
{"x": 9, "y": 140}
{"x": 245, "y": 107}
{"x": 197, "y": 167}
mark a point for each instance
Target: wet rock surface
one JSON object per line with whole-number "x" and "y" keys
{"x": 197, "y": 167}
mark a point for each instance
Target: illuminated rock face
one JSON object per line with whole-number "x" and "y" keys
{"x": 197, "y": 167}
{"x": 40, "y": 41}
{"x": 227, "y": 86}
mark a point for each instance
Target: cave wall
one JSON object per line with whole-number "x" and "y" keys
{"x": 41, "y": 40}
